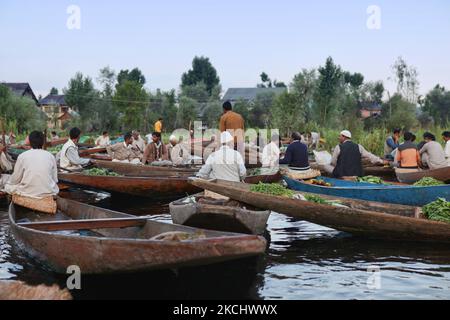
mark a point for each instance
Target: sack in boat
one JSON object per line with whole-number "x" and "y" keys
{"x": 215, "y": 196}
{"x": 300, "y": 175}
{"x": 45, "y": 205}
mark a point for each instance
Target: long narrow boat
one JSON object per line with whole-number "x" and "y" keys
{"x": 221, "y": 215}
{"x": 363, "y": 218}
{"x": 102, "y": 241}
{"x": 89, "y": 151}
{"x": 406, "y": 195}
{"x": 404, "y": 176}
{"x": 379, "y": 171}
{"x": 135, "y": 170}
{"x": 157, "y": 186}
{"x": 160, "y": 184}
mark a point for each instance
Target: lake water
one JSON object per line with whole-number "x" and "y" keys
{"x": 303, "y": 261}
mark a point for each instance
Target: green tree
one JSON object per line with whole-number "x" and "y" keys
{"x": 259, "y": 115}
{"x": 202, "y": 71}
{"x": 399, "y": 113}
{"x": 329, "y": 84}
{"x": 134, "y": 75}
{"x": 54, "y": 91}
{"x": 212, "y": 114}
{"x": 437, "y": 105}
{"x": 187, "y": 112}
{"x": 406, "y": 77}
{"x": 131, "y": 100}
{"x": 81, "y": 96}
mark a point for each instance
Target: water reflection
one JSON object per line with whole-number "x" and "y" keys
{"x": 303, "y": 261}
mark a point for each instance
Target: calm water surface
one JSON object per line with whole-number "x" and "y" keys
{"x": 303, "y": 261}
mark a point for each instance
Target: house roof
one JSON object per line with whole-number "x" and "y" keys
{"x": 248, "y": 94}
{"x": 53, "y": 99}
{"x": 370, "y": 106}
{"x": 20, "y": 89}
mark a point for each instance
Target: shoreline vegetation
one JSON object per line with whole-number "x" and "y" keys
{"x": 326, "y": 99}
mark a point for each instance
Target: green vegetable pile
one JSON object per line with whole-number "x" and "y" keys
{"x": 428, "y": 182}
{"x": 319, "y": 200}
{"x": 272, "y": 189}
{"x": 100, "y": 172}
{"x": 438, "y": 210}
{"x": 371, "y": 179}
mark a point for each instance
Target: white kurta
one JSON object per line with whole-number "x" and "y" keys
{"x": 224, "y": 164}
{"x": 447, "y": 152}
{"x": 103, "y": 141}
{"x": 271, "y": 156}
{"x": 35, "y": 175}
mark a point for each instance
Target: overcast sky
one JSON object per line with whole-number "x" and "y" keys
{"x": 242, "y": 39}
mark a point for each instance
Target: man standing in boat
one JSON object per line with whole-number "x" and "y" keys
{"x": 68, "y": 157}
{"x": 35, "y": 173}
{"x": 234, "y": 123}
{"x": 347, "y": 158}
{"x": 225, "y": 163}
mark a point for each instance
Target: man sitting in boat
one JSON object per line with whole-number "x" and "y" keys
{"x": 103, "y": 141}
{"x": 347, "y": 158}
{"x": 35, "y": 173}
{"x": 296, "y": 154}
{"x": 271, "y": 155}
{"x": 224, "y": 164}
{"x": 391, "y": 144}
{"x": 179, "y": 153}
{"x": 408, "y": 156}
{"x": 138, "y": 142}
{"x": 123, "y": 151}
{"x": 68, "y": 157}
{"x": 54, "y": 136}
{"x": 432, "y": 153}
{"x": 446, "y": 137}
{"x": 155, "y": 151}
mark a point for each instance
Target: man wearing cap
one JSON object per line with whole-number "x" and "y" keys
{"x": 347, "y": 158}
{"x": 178, "y": 152}
{"x": 225, "y": 163}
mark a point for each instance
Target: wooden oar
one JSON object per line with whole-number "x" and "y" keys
{"x": 89, "y": 224}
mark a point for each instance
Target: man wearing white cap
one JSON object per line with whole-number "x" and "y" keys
{"x": 225, "y": 163}
{"x": 347, "y": 157}
{"x": 178, "y": 152}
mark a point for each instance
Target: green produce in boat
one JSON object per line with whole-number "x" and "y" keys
{"x": 428, "y": 181}
{"x": 100, "y": 172}
{"x": 438, "y": 210}
{"x": 274, "y": 189}
{"x": 371, "y": 179}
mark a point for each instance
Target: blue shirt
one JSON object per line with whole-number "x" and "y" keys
{"x": 296, "y": 155}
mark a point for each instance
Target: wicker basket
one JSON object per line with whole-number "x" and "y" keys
{"x": 46, "y": 205}
{"x": 300, "y": 175}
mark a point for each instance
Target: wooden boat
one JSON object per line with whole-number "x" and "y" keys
{"x": 442, "y": 174}
{"x": 102, "y": 241}
{"x": 221, "y": 215}
{"x": 406, "y": 195}
{"x": 135, "y": 170}
{"x": 164, "y": 185}
{"x": 89, "y": 151}
{"x": 378, "y": 171}
{"x": 362, "y": 218}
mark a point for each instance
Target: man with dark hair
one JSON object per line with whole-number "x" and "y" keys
{"x": 54, "y": 136}
{"x": 296, "y": 154}
{"x": 407, "y": 156}
{"x": 159, "y": 125}
{"x": 432, "y": 153}
{"x": 69, "y": 157}
{"x": 123, "y": 151}
{"x": 392, "y": 143}
{"x": 155, "y": 151}
{"x": 232, "y": 122}
{"x": 103, "y": 140}
{"x": 446, "y": 137}
{"x": 35, "y": 173}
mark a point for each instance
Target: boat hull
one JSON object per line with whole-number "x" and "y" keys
{"x": 405, "y": 195}
{"x": 442, "y": 174}
{"x": 123, "y": 252}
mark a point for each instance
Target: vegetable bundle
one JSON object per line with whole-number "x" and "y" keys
{"x": 428, "y": 182}
{"x": 438, "y": 210}
{"x": 274, "y": 189}
{"x": 100, "y": 172}
{"x": 371, "y": 179}
{"x": 319, "y": 200}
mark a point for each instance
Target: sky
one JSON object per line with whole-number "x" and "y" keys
{"x": 241, "y": 38}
